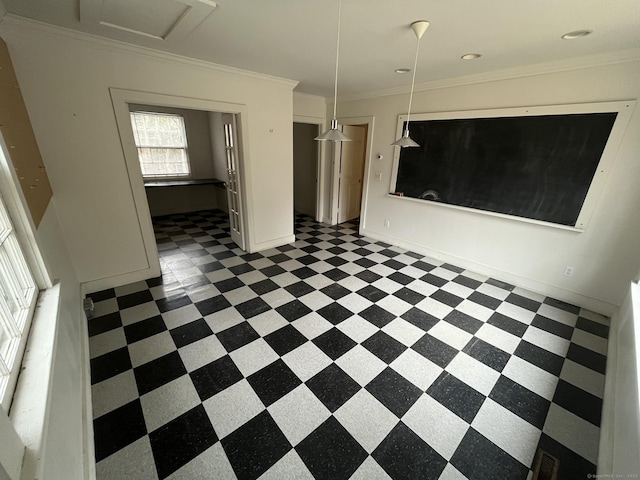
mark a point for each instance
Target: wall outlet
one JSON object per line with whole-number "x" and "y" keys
{"x": 387, "y": 222}
{"x": 568, "y": 271}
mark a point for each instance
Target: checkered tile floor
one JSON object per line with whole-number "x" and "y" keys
{"x": 336, "y": 357}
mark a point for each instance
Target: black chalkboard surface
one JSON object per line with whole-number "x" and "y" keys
{"x": 537, "y": 167}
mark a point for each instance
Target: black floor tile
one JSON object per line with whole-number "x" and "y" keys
{"x": 447, "y": 298}
{"x": 368, "y": 276}
{"x": 551, "y": 326}
{"x": 273, "y": 382}
{"x": 523, "y": 302}
{"x": 104, "y": 323}
{"x": 215, "y": 377}
{"x": 173, "y": 302}
{"x": 435, "y": 350}
{"x": 523, "y": 402}
{"x": 587, "y": 358}
{"x": 577, "y": 401}
{"x": 384, "y": 347}
{"x": 540, "y": 357}
{"x": 394, "y": 391}
{"x": 409, "y": 296}
{"x": 144, "y": 328}
{"x": 377, "y": 316}
{"x": 467, "y": 282}
{"x": 331, "y": 452}
{"x": 229, "y": 284}
{"x": 464, "y": 321}
{"x": 191, "y": 332}
{"x": 335, "y": 313}
{"x": 134, "y": 299}
{"x": 158, "y": 372}
{"x": 237, "y": 336}
{"x": 334, "y": 343}
{"x": 285, "y": 340}
{"x": 480, "y": 459}
{"x": 255, "y": 447}
{"x": 333, "y": 387}
{"x": 371, "y": 293}
{"x": 335, "y": 291}
{"x": 181, "y": 440}
{"x": 400, "y": 278}
{"x": 514, "y": 327}
{"x": 264, "y": 286}
{"x": 457, "y": 396}
{"x": 102, "y": 295}
{"x": 293, "y": 310}
{"x": 420, "y": 319}
{"x": 299, "y": 289}
{"x": 118, "y": 428}
{"x": 486, "y": 353}
{"x": 484, "y": 300}
{"x": 593, "y": 327}
{"x": 253, "y": 307}
{"x": 212, "y": 305}
{"x": 404, "y": 455}
{"x": 110, "y": 364}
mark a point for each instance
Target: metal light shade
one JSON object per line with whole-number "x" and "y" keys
{"x": 405, "y": 140}
{"x": 333, "y": 134}
{"x": 419, "y": 28}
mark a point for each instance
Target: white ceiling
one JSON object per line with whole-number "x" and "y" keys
{"x": 296, "y": 39}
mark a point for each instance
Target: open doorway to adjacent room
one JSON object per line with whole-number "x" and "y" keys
{"x": 305, "y": 169}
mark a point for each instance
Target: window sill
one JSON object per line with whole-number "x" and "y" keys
{"x": 184, "y": 183}
{"x": 31, "y": 403}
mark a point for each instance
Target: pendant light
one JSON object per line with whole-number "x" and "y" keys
{"x": 419, "y": 28}
{"x": 334, "y": 134}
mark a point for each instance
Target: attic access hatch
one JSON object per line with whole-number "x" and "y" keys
{"x": 168, "y": 20}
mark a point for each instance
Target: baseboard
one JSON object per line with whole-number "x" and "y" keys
{"x": 88, "y": 451}
{"x": 568, "y": 296}
{"x": 120, "y": 280}
{"x": 276, "y": 242}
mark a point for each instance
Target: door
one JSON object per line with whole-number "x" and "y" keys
{"x": 233, "y": 183}
{"x": 351, "y": 172}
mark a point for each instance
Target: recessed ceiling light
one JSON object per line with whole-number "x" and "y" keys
{"x": 470, "y": 56}
{"x": 576, "y": 34}
{"x": 403, "y": 70}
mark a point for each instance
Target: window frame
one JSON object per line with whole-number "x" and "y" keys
{"x": 14, "y": 204}
{"x": 184, "y": 148}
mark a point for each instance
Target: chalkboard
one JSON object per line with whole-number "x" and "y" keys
{"x": 538, "y": 167}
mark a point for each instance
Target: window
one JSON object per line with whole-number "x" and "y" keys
{"x": 18, "y": 293}
{"x": 162, "y": 144}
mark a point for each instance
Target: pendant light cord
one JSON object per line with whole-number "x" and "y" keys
{"x": 413, "y": 81}
{"x": 335, "y": 86}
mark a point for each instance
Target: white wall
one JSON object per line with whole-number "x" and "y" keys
{"x": 65, "y": 79}
{"x": 51, "y": 406}
{"x": 605, "y": 256}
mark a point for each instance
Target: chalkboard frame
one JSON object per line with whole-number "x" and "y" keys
{"x": 623, "y": 109}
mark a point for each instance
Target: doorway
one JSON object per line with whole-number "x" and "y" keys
{"x": 349, "y": 172}
{"x": 305, "y": 168}
{"x": 225, "y": 119}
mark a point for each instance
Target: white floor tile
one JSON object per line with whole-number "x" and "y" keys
{"x": 168, "y": 402}
{"x": 583, "y": 377}
{"x": 289, "y": 467}
{"x": 357, "y": 328}
{"x": 139, "y": 312}
{"x": 267, "y": 322}
{"x": 573, "y": 432}
{"x": 107, "y": 342}
{"x": 474, "y": 373}
{"x": 529, "y": 376}
{"x": 298, "y": 413}
{"x": 451, "y": 335}
{"x": 134, "y": 461}
{"x": 498, "y": 338}
{"x": 370, "y": 470}
{"x": 514, "y": 435}
{"x": 546, "y": 340}
{"x": 306, "y": 361}
{"x": 436, "y": 425}
{"x": 362, "y": 365}
{"x": 312, "y": 325}
{"x": 366, "y": 419}
{"x": 253, "y": 357}
{"x": 151, "y": 348}
{"x": 403, "y": 331}
{"x": 417, "y": 369}
{"x": 113, "y": 393}
{"x": 233, "y": 407}
{"x": 180, "y": 316}
{"x": 201, "y": 353}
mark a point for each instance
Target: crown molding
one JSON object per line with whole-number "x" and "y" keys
{"x": 306, "y": 95}
{"x": 15, "y": 21}
{"x": 577, "y": 63}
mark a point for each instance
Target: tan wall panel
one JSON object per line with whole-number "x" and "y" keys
{"x": 18, "y": 135}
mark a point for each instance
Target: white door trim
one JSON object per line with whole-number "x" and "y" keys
{"x": 369, "y": 121}
{"x": 120, "y": 99}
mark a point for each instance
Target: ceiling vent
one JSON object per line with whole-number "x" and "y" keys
{"x": 167, "y": 20}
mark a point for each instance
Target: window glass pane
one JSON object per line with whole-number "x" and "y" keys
{"x": 162, "y": 144}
